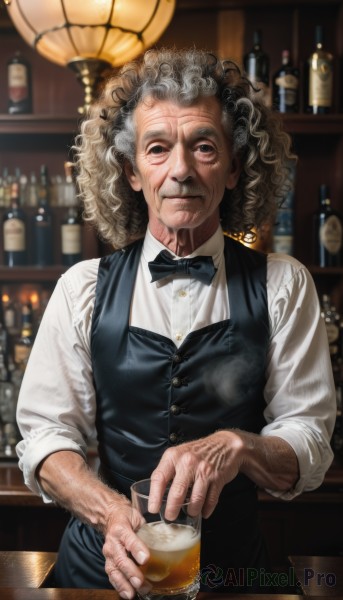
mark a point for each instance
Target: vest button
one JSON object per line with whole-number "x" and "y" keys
{"x": 175, "y": 409}
{"x": 177, "y": 358}
{"x": 176, "y": 382}
{"x": 173, "y": 438}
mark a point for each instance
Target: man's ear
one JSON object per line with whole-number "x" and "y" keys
{"x": 132, "y": 177}
{"x": 234, "y": 174}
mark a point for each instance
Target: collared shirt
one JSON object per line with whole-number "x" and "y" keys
{"x": 57, "y": 404}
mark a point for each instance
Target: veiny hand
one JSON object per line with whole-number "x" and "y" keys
{"x": 203, "y": 466}
{"x": 121, "y": 546}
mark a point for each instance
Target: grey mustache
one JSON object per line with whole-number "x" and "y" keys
{"x": 182, "y": 191}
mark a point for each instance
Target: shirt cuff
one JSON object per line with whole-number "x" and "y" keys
{"x": 31, "y": 455}
{"x": 314, "y": 457}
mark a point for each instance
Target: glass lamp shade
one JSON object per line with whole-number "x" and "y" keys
{"x": 97, "y": 33}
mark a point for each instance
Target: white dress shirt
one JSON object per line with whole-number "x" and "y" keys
{"x": 57, "y": 405}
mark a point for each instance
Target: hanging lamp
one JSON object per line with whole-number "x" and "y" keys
{"x": 90, "y": 36}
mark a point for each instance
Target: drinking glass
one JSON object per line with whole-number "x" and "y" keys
{"x": 173, "y": 569}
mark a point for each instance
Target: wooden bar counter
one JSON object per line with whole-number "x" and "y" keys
{"x": 26, "y": 576}
{"x": 25, "y": 569}
{"x": 76, "y": 594}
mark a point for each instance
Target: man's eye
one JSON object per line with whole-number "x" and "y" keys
{"x": 156, "y": 149}
{"x": 205, "y": 148}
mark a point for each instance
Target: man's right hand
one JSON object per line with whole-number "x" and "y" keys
{"x": 66, "y": 478}
{"x": 121, "y": 546}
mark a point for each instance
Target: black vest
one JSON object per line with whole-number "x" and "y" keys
{"x": 151, "y": 395}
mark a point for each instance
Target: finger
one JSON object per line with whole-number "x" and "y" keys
{"x": 136, "y": 547}
{"x": 179, "y": 489}
{"x": 123, "y": 572}
{"x": 160, "y": 478}
{"x": 125, "y": 588}
{"x": 212, "y": 498}
{"x": 117, "y": 579}
{"x": 199, "y": 494}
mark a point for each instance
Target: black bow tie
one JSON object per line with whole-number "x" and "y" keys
{"x": 199, "y": 267}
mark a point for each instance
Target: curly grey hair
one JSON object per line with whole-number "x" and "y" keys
{"x": 107, "y": 139}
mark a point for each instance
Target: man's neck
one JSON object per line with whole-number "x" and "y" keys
{"x": 183, "y": 242}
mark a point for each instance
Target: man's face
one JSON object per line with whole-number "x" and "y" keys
{"x": 183, "y": 163}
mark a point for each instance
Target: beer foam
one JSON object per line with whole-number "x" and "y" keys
{"x": 168, "y": 536}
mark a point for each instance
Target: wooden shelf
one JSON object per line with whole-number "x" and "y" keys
{"x": 299, "y": 123}
{"x": 313, "y": 124}
{"x": 226, "y": 4}
{"x": 329, "y": 271}
{"x": 39, "y": 124}
{"x": 31, "y": 274}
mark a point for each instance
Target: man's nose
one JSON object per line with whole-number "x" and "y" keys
{"x": 181, "y": 164}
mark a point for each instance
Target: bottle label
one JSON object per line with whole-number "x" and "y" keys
{"x": 14, "y": 235}
{"x": 10, "y": 317}
{"x": 17, "y": 82}
{"x": 71, "y": 239}
{"x": 283, "y": 244}
{"x": 288, "y": 86}
{"x": 21, "y": 353}
{"x": 320, "y": 83}
{"x": 288, "y": 82}
{"x": 330, "y": 234}
{"x": 332, "y": 331}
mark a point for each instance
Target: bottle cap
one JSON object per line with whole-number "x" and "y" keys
{"x": 257, "y": 37}
{"x": 324, "y": 191}
{"x": 285, "y": 55}
{"x": 319, "y": 35}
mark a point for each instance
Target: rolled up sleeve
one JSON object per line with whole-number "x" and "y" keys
{"x": 300, "y": 391}
{"x": 56, "y": 404}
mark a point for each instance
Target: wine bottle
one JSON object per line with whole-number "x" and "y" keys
{"x": 70, "y": 196}
{"x": 24, "y": 343}
{"x": 19, "y": 85}
{"x": 319, "y": 80}
{"x": 283, "y": 234}
{"x": 286, "y": 86}
{"x": 328, "y": 313}
{"x": 71, "y": 238}
{"x": 42, "y": 224}
{"x": 31, "y": 198}
{"x": 328, "y": 232}
{"x": 256, "y": 65}
{"x": 11, "y": 317}
{"x": 3, "y": 330}
{"x": 14, "y": 231}
{"x": 7, "y": 184}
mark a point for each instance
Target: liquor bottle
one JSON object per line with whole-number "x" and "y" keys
{"x": 283, "y": 233}
{"x": 23, "y": 345}
{"x": 14, "y": 232}
{"x": 19, "y": 85}
{"x": 11, "y": 316}
{"x": 31, "y": 198}
{"x": 3, "y": 331}
{"x": 286, "y": 86}
{"x": 319, "y": 79}
{"x": 332, "y": 324}
{"x": 7, "y": 401}
{"x": 42, "y": 235}
{"x": 4, "y": 372}
{"x": 7, "y": 184}
{"x": 71, "y": 238}
{"x": 70, "y": 196}
{"x": 2, "y": 192}
{"x": 256, "y": 65}
{"x": 328, "y": 232}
